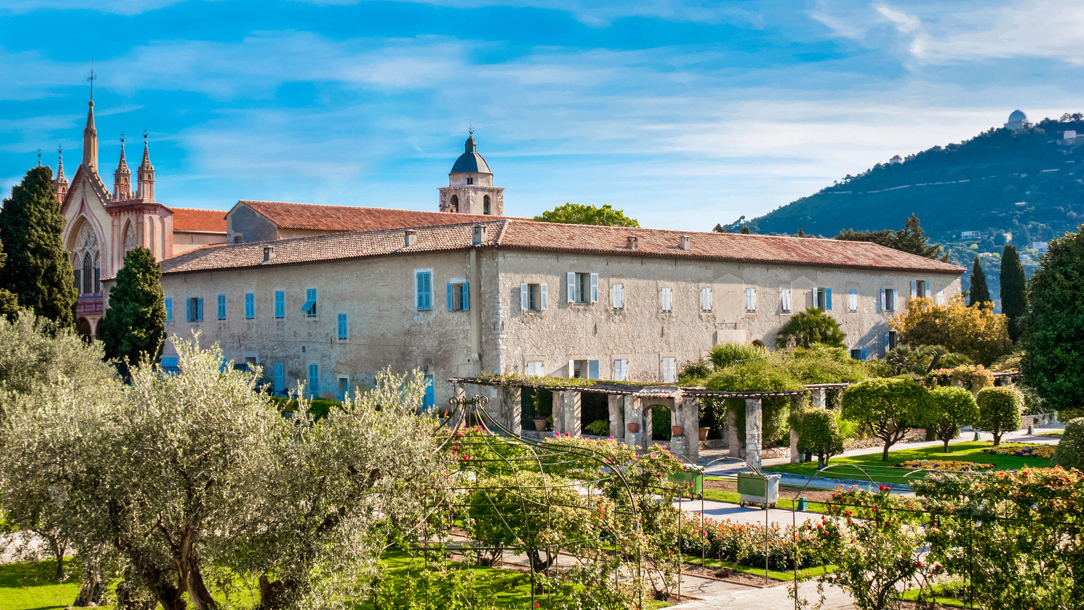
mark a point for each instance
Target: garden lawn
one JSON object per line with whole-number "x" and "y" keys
{"x": 866, "y": 467}
{"x": 29, "y": 585}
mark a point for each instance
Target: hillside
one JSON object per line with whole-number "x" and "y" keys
{"x": 1025, "y": 182}
{"x": 1027, "y": 186}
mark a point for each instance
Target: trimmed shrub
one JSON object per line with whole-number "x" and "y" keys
{"x": 950, "y": 408}
{"x": 818, "y": 434}
{"x": 887, "y": 407}
{"x": 1070, "y": 450}
{"x": 999, "y": 410}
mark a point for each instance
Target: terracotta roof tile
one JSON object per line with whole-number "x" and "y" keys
{"x": 539, "y": 236}
{"x": 206, "y": 221}
{"x": 315, "y": 217}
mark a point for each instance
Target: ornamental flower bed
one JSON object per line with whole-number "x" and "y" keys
{"x": 1035, "y": 451}
{"x": 946, "y": 465}
{"x": 744, "y": 543}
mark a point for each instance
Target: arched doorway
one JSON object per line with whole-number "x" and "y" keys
{"x": 83, "y": 329}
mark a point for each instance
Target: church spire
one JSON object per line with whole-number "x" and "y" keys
{"x": 90, "y": 134}
{"x": 122, "y": 178}
{"x": 61, "y": 182}
{"x": 146, "y": 173}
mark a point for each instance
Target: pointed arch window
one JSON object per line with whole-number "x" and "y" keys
{"x": 88, "y": 274}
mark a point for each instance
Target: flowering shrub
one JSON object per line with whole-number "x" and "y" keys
{"x": 974, "y": 377}
{"x": 1017, "y": 535}
{"x": 787, "y": 548}
{"x": 952, "y": 465}
{"x": 1035, "y": 451}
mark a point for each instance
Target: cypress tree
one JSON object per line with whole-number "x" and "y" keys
{"x": 38, "y": 270}
{"x": 9, "y": 305}
{"x": 134, "y": 324}
{"x": 979, "y": 292}
{"x": 1014, "y": 302}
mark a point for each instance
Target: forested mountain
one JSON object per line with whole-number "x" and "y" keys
{"x": 1026, "y": 186}
{"x": 1028, "y": 183}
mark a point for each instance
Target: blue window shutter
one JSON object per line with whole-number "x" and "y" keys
{"x": 863, "y": 354}
{"x": 342, "y": 326}
{"x": 199, "y": 310}
{"x": 927, "y": 291}
{"x": 451, "y": 297}
{"x": 314, "y": 380}
{"x": 169, "y": 309}
{"x": 592, "y": 369}
{"x": 886, "y": 343}
{"x": 280, "y": 381}
{"x": 594, "y": 288}
{"x": 828, "y": 297}
{"x": 428, "y": 290}
{"x": 884, "y": 303}
{"x": 465, "y": 299}
{"x": 188, "y": 310}
{"x": 221, "y": 307}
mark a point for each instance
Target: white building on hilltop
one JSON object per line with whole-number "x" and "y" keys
{"x": 1017, "y": 121}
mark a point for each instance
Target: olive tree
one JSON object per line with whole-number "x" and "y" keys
{"x": 888, "y": 406}
{"x": 950, "y": 408}
{"x": 999, "y": 410}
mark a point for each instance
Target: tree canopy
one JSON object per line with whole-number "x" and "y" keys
{"x": 950, "y": 408}
{"x": 975, "y": 332}
{"x": 809, "y": 327}
{"x": 979, "y": 294}
{"x": 134, "y": 325}
{"x": 1053, "y": 338}
{"x": 888, "y": 406}
{"x": 37, "y": 271}
{"x": 911, "y": 238}
{"x": 580, "y": 214}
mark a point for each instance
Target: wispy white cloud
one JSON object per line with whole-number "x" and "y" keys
{"x": 120, "y": 7}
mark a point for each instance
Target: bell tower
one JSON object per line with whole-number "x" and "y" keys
{"x": 470, "y": 187}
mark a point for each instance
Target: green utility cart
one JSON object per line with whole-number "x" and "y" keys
{"x": 760, "y": 489}
{"x": 696, "y": 477}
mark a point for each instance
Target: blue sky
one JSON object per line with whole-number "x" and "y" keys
{"x": 683, "y": 113}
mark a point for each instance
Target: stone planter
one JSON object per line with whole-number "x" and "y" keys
{"x": 633, "y": 427}
{"x": 677, "y": 430}
{"x": 540, "y": 425}
{"x": 704, "y": 433}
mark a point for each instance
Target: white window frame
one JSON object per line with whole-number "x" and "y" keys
{"x": 705, "y": 298}
{"x": 852, "y": 300}
{"x": 750, "y": 299}
{"x": 666, "y": 299}
{"x": 621, "y": 369}
{"x": 617, "y": 296}
{"x": 533, "y": 297}
{"x": 536, "y": 368}
{"x": 669, "y": 369}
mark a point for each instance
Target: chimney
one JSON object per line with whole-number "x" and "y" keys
{"x": 478, "y": 235}
{"x": 411, "y": 238}
{"x": 634, "y": 242}
{"x": 268, "y": 254}
{"x": 685, "y": 243}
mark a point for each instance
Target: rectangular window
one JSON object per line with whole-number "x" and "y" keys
{"x": 858, "y": 354}
{"x": 666, "y": 298}
{"x": 617, "y": 296}
{"x": 342, "y": 327}
{"x": 194, "y": 309}
{"x": 169, "y": 309}
{"x": 250, "y": 305}
{"x": 592, "y": 369}
{"x": 705, "y": 298}
{"x": 309, "y": 307}
{"x": 342, "y": 388}
{"x": 280, "y": 304}
{"x": 890, "y": 299}
{"x": 621, "y": 370}
{"x": 582, "y": 285}
{"x": 784, "y": 300}
{"x": 458, "y": 296}
{"x": 423, "y": 289}
{"x": 669, "y": 370}
{"x": 852, "y": 300}
{"x": 925, "y": 289}
{"x": 941, "y": 297}
{"x": 532, "y": 297}
{"x": 170, "y": 365}
{"x": 221, "y": 307}
{"x": 314, "y": 381}
{"x": 890, "y": 341}
{"x": 750, "y": 299}
{"x": 534, "y": 368}
{"x": 280, "y": 377}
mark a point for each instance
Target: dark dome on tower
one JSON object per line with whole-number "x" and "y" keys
{"x": 470, "y": 161}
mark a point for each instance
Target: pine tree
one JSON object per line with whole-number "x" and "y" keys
{"x": 745, "y": 230}
{"x": 979, "y": 292}
{"x": 911, "y": 238}
{"x": 38, "y": 270}
{"x": 801, "y": 233}
{"x": 1014, "y": 302}
{"x": 134, "y": 324}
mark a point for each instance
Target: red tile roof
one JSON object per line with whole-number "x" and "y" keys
{"x": 315, "y": 217}
{"x": 203, "y": 221}
{"x": 540, "y": 236}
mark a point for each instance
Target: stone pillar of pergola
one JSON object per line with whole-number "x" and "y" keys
{"x": 633, "y": 414}
{"x": 753, "y": 436}
{"x": 616, "y": 404}
{"x": 510, "y": 409}
{"x": 571, "y": 413}
{"x": 557, "y": 412}
{"x": 686, "y": 413}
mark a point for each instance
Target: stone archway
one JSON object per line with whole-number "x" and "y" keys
{"x": 84, "y": 329}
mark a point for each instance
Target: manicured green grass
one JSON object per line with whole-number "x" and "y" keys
{"x": 865, "y": 467}
{"x": 915, "y": 594}
{"x": 30, "y": 586}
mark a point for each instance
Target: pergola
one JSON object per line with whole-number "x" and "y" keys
{"x": 630, "y": 403}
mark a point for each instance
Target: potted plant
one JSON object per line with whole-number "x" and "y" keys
{"x": 540, "y": 424}
{"x": 633, "y": 427}
{"x": 677, "y": 430}
{"x": 704, "y": 432}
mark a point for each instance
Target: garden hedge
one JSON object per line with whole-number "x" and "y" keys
{"x": 1070, "y": 450}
